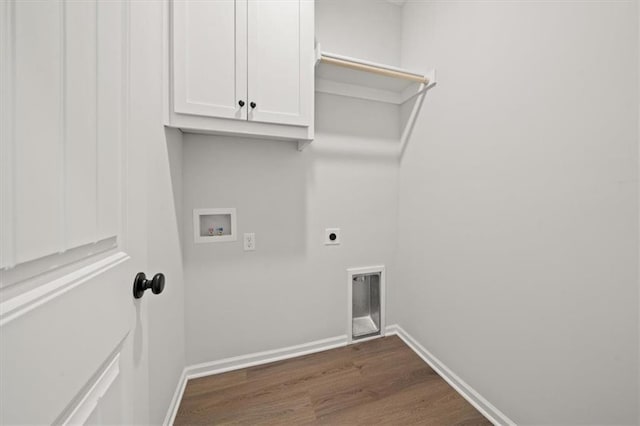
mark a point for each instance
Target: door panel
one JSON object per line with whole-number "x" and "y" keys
{"x": 50, "y": 352}
{"x": 61, "y": 119}
{"x": 75, "y": 178}
{"x": 209, "y": 48}
{"x": 79, "y": 127}
{"x": 36, "y": 48}
{"x": 109, "y": 120}
{"x": 280, "y": 60}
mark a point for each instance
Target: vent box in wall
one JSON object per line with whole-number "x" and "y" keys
{"x": 366, "y": 309}
{"x": 214, "y": 225}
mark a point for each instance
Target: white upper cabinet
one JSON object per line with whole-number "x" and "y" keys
{"x": 242, "y": 67}
{"x": 210, "y": 58}
{"x": 280, "y": 67}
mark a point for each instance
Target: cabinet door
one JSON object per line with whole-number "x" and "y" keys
{"x": 209, "y": 58}
{"x": 281, "y": 61}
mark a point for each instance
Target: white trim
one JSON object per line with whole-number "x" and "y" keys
{"x": 175, "y": 401}
{"x": 259, "y": 358}
{"x": 90, "y": 400}
{"x": 243, "y": 128}
{"x": 57, "y": 262}
{"x": 20, "y": 305}
{"x": 467, "y": 392}
{"x": 366, "y": 270}
{"x": 245, "y": 361}
{"x": 383, "y": 333}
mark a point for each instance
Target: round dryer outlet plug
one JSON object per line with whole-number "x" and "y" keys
{"x": 332, "y": 236}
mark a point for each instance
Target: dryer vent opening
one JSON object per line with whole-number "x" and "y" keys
{"x": 365, "y": 305}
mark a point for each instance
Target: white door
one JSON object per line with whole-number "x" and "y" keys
{"x": 73, "y": 211}
{"x": 280, "y": 61}
{"x": 210, "y": 58}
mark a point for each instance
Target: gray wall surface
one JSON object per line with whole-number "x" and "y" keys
{"x": 518, "y": 216}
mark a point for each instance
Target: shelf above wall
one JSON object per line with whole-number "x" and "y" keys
{"x": 345, "y": 76}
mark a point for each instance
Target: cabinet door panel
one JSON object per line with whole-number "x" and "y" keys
{"x": 209, "y": 53}
{"x": 280, "y": 61}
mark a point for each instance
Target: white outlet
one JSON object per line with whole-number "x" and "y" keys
{"x": 249, "y": 241}
{"x": 332, "y": 236}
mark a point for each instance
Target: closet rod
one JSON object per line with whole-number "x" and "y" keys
{"x": 373, "y": 69}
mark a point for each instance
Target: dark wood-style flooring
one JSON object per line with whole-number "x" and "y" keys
{"x": 381, "y": 381}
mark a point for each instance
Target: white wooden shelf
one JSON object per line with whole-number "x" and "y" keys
{"x": 345, "y": 76}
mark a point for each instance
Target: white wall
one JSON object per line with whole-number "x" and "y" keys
{"x": 518, "y": 216}
{"x": 292, "y": 289}
{"x": 364, "y": 29}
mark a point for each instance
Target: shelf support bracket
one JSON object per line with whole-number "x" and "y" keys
{"x": 415, "y": 111}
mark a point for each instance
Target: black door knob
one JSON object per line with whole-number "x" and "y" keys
{"x": 141, "y": 283}
{"x": 241, "y": 103}
{"x": 252, "y": 105}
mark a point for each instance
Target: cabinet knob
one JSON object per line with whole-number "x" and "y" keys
{"x": 252, "y": 105}
{"x": 241, "y": 103}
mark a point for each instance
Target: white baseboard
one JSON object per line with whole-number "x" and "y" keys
{"x": 175, "y": 401}
{"x": 258, "y": 358}
{"x": 245, "y": 361}
{"x": 471, "y": 395}
{"x": 235, "y": 363}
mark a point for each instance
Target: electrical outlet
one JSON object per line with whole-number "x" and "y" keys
{"x": 332, "y": 236}
{"x": 249, "y": 241}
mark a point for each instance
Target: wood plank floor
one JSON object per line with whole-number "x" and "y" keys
{"x": 381, "y": 381}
